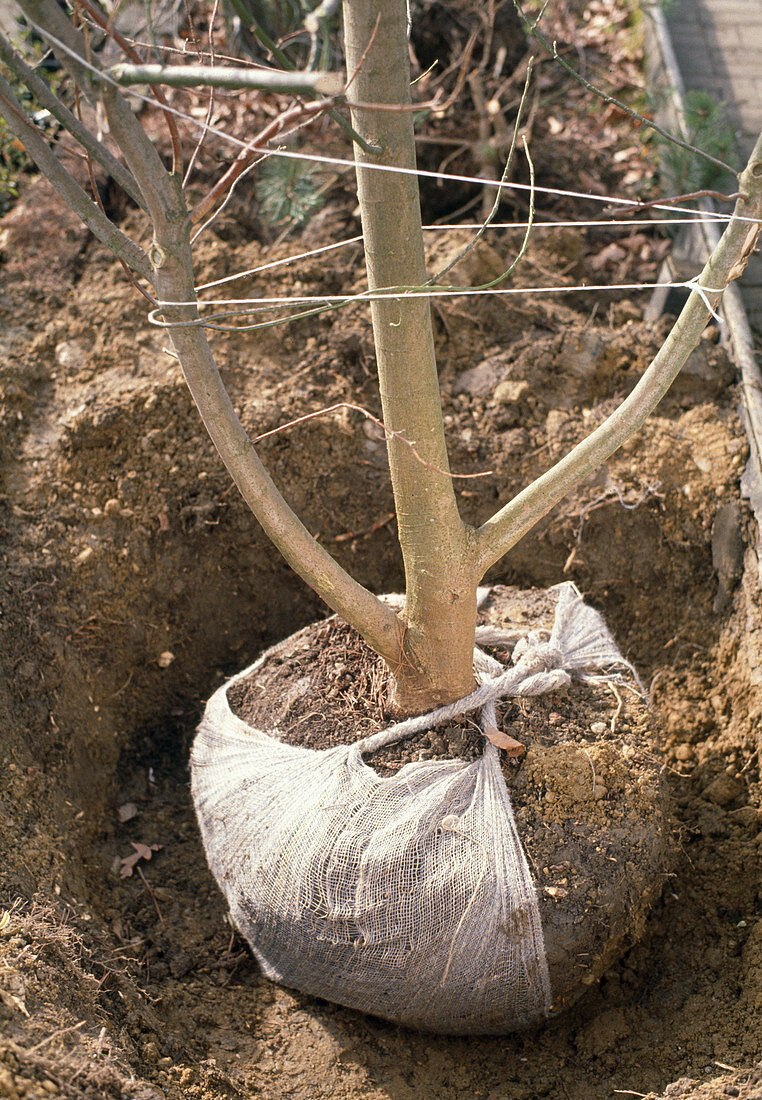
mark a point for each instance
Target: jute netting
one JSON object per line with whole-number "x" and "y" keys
{"x": 409, "y": 897}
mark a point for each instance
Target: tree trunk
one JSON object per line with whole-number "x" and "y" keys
{"x": 439, "y": 568}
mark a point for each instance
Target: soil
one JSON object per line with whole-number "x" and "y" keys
{"x": 133, "y": 582}
{"x": 586, "y": 790}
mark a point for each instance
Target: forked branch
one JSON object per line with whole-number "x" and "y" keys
{"x": 169, "y": 267}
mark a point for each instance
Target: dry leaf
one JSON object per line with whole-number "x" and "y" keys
{"x": 612, "y": 253}
{"x": 142, "y": 851}
{"x": 512, "y": 747}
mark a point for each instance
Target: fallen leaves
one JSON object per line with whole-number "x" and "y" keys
{"x": 142, "y": 851}
{"x": 510, "y": 745}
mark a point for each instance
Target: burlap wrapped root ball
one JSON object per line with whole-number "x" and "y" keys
{"x": 416, "y": 871}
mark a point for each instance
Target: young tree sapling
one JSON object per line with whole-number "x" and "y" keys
{"x": 428, "y": 648}
{"x": 428, "y": 644}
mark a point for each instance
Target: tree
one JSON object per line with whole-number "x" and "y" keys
{"x": 429, "y": 647}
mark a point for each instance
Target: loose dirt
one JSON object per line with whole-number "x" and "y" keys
{"x": 133, "y": 582}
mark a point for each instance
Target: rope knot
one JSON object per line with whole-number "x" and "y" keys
{"x": 534, "y": 654}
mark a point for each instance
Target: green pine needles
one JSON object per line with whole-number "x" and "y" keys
{"x": 288, "y": 191}
{"x": 707, "y": 127}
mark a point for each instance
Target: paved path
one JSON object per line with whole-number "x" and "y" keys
{"x": 718, "y": 46}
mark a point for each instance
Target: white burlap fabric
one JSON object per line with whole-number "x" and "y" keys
{"x": 407, "y": 897}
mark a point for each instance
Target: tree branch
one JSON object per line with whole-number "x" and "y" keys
{"x": 728, "y": 261}
{"x": 221, "y": 76}
{"x": 107, "y": 26}
{"x": 173, "y": 278}
{"x": 67, "y": 43}
{"x": 65, "y": 184}
{"x": 69, "y": 121}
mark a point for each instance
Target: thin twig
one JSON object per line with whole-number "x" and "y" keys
{"x": 455, "y": 944}
{"x": 265, "y": 304}
{"x": 253, "y": 149}
{"x": 107, "y": 28}
{"x": 675, "y": 198}
{"x": 363, "y": 56}
{"x": 483, "y": 144}
{"x": 620, "y": 704}
{"x": 349, "y": 536}
{"x": 228, "y": 197}
{"x": 210, "y": 105}
{"x": 388, "y": 432}
{"x": 151, "y": 895}
{"x": 55, "y": 1035}
{"x": 201, "y": 53}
